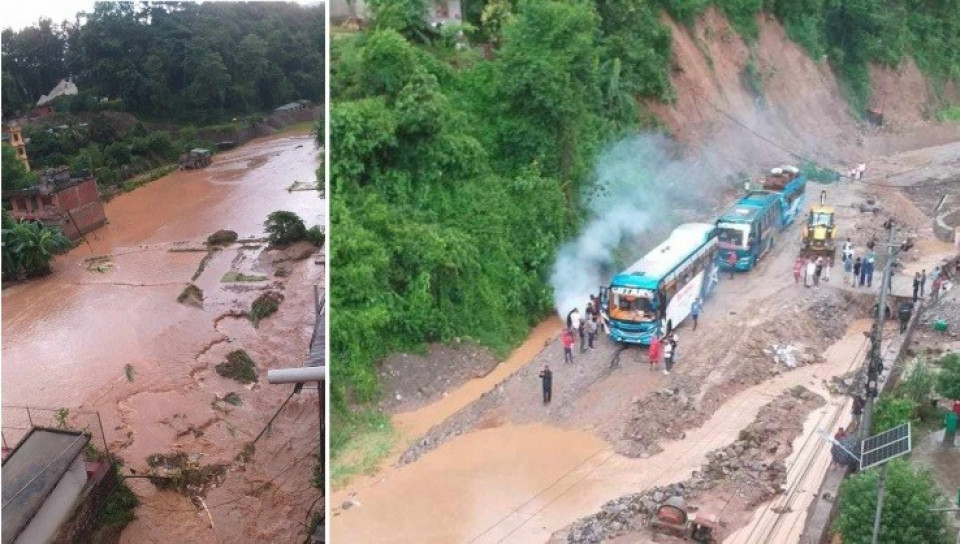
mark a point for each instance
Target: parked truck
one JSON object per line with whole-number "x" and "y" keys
{"x": 196, "y": 158}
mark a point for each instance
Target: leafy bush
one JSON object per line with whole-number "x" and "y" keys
{"x": 906, "y": 517}
{"x": 120, "y": 506}
{"x": 284, "y": 228}
{"x": 890, "y": 411}
{"x": 316, "y": 236}
{"x": 948, "y": 378}
{"x": 29, "y": 248}
{"x": 222, "y": 238}
{"x": 265, "y": 305}
{"x": 238, "y": 366}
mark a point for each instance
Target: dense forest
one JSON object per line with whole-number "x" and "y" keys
{"x": 460, "y": 165}
{"x": 171, "y": 60}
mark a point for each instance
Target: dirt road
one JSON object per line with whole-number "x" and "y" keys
{"x": 531, "y": 470}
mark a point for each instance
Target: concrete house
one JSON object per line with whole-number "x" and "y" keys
{"x": 71, "y": 203}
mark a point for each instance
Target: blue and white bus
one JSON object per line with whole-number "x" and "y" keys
{"x": 749, "y": 228}
{"x": 656, "y": 293}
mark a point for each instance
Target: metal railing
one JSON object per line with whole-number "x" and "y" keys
{"x": 19, "y": 420}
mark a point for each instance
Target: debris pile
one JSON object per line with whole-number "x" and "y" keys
{"x": 750, "y": 470}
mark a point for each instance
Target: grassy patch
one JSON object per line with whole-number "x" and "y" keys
{"x": 120, "y": 505}
{"x": 949, "y": 115}
{"x": 233, "y": 399}
{"x": 246, "y": 453}
{"x": 358, "y": 443}
{"x": 148, "y": 177}
{"x": 264, "y": 305}
{"x": 238, "y": 366}
{"x": 240, "y": 277}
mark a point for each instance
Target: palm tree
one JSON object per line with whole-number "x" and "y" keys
{"x": 29, "y": 248}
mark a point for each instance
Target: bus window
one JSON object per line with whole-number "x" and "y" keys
{"x": 731, "y": 235}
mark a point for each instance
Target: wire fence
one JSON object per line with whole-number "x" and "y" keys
{"x": 18, "y": 421}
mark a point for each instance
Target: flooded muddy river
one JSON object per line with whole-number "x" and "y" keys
{"x": 112, "y": 302}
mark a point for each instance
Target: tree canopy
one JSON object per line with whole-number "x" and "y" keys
{"x": 182, "y": 60}
{"x": 906, "y": 517}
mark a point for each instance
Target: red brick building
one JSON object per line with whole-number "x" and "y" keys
{"x": 71, "y": 203}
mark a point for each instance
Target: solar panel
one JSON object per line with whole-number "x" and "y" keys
{"x": 885, "y": 446}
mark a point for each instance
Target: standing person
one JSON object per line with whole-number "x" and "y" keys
{"x": 567, "y": 339}
{"x": 797, "y": 270}
{"x": 923, "y": 281}
{"x": 695, "y": 312}
{"x": 871, "y": 259}
{"x": 817, "y": 271}
{"x": 654, "y": 352}
{"x": 811, "y": 270}
{"x": 669, "y": 353}
{"x": 827, "y": 265}
{"x": 847, "y": 250}
{"x": 847, "y": 269}
{"x": 916, "y": 286}
{"x": 732, "y": 262}
{"x": 576, "y": 324}
{"x": 591, "y": 327}
{"x": 590, "y": 310}
{"x": 935, "y": 291}
{"x": 546, "y": 379}
{"x": 857, "y": 272}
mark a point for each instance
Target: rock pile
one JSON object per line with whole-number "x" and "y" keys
{"x": 752, "y": 467}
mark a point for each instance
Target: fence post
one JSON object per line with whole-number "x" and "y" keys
{"x": 103, "y": 435}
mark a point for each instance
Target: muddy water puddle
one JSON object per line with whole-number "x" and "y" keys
{"x": 524, "y": 482}
{"x": 112, "y": 302}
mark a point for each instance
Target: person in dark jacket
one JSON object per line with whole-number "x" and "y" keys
{"x": 546, "y": 378}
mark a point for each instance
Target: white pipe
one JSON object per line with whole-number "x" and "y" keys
{"x": 297, "y": 375}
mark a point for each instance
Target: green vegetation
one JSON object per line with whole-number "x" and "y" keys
{"x": 284, "y": 228}
{"x": 14, "y": 175}
{"x": 185, "y": 61}
{"x": 366, "y": 449}
{"x": 950, "y": 114}
{"x": 948, "y": 378}
{"x": 316, "y": 236}
{"x": 191, "y": 294}
{"x": 890, "y": 411}
{"x": 119, "y": 508}
{"x": 29, "y": 248}
{"x": 265, "y": 305}
{"x": 238, "y": 366}
{"x": 239, "y": 277}
{"x": 232, "y": 399}
{"x": 814, "y": 172}
{"x": 906, "y": 517}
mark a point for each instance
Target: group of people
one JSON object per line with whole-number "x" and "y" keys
{"x": 812, "y": 271}
{"x": 586, "y": 329}
{"x": 666, "y": 348}
{"x": 938, "y": 277}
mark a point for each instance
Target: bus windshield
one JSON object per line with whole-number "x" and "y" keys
{"x": 632, "y": 304}
{"x": 733, "y": 234}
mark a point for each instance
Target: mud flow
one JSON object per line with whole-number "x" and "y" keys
{"x": 106, "y": 333}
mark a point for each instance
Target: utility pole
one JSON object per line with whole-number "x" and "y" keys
{"x": 875, "y": 363}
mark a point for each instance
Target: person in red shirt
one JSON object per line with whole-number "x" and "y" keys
{"x": 797, "y": 270}
{"x": 567, "y": 339}
{"x": 654, "y": 352}
{"x": 732, "y": 262}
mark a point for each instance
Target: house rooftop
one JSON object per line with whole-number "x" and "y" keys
{"x": 32, "y": 470}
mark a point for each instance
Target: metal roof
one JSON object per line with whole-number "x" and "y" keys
{"x": 32, "y": 470}
{"x": 656, "y": 264}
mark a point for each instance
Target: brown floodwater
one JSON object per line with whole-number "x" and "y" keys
{"x": 68, "y": 337}
{"x": 521, "y": 483}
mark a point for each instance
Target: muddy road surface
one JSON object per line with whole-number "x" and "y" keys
{"x": 105, "y": 333}
{"x": 490, "y": 463}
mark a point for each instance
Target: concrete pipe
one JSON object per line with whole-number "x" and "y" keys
{"x": 297, "y": 375}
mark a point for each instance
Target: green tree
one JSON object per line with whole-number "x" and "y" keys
{"x": 408, "y": 17}
{"x": 284, "y": 228}
{"x": 906, "y": 517}
{"x": 29, "y": 248}
{"x": 948, "y": 378}
{"x": 14, "y": 175}
{"x": 891, "y": 411}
